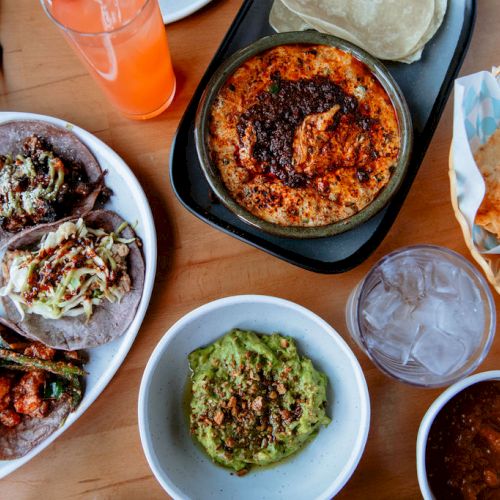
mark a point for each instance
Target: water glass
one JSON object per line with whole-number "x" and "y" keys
{"x": 424, "y": 315}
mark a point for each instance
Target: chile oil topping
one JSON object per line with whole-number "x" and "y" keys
{"x": 281, "y": 111}
{"x": 255, "y": 401}
{"x": 38, "y": 187}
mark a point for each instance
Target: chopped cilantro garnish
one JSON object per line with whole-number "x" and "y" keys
{"x": 274, "y": 88}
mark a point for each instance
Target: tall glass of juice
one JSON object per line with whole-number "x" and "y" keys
{"x": 124, "y": 45}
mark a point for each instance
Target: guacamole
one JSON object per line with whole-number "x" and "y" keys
{"x": 254, "y": 399}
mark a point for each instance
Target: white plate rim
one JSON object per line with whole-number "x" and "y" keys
{"x": 179, "y": 13}
{"x": 163, "y": 343}
{"x": 150, "y": 257}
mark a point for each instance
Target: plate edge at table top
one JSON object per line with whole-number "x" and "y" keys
{"x": 181, "y": 13}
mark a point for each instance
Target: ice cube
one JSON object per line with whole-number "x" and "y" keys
{"x": 442, "y": 277}
{"x": 425, "y": 313}
{"x": 377, "y": 344}
{"x": 396, "y": 339}
{"x": 406, "y": 276}
{"x": 379, "y": 305}
{"x": 392, "y": 275}
{"x": 467, "y": 290}
{"x": 462, "y": 319}
{"x": 403, "y": 312}
{"x": 437, "y": 351}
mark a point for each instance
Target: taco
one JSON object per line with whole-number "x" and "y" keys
{"x": 73, "y": 284}
{"x": 46, "y": 174}
{"x": 39, "y": 388}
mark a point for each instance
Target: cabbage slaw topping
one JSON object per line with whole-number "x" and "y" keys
{"x": 73, "y": 269}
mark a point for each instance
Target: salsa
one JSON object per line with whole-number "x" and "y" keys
{"x": 254, "y": 399}
{"x": 463, "y": 448}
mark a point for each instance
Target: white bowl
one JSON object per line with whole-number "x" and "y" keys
{"x": 427, "y": 421}
{"x": 320, "y": 470}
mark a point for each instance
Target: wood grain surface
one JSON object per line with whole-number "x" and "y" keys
{"x": 101, "y": 457}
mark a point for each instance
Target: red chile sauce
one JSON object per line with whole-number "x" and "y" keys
{"x": 47, "y": 276}
{"x": 463, "y": 447}
{"x": 279, "y": 112}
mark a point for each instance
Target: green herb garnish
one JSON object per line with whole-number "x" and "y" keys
{"x": 54, "y": 390}
{"x": 274, "y": 88}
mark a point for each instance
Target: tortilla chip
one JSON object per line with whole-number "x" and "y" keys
{"x": 490, "y": 263}
{"x": 64, "y": 144}
{"x": 387, "y": 29}
{"x": 108, "y": 321}
{"x": 488, "y": 161}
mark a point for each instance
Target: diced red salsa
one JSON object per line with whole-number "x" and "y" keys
{"x": 463, "y": 447}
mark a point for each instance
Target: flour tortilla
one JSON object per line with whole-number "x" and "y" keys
{"x": 488, "y": 161}
{"x": 282, "y": 19}
{"x": 64, "y": 144}
{"x": 387, "y": 29}
{"x": 437, "y": 20}
{"x": 108, "y": 321}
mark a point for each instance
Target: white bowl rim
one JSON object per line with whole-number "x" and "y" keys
{"x": 430, "y": 415}
{"x": 346, "y": 472}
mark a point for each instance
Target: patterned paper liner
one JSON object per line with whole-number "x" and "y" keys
{"x": 476, "y": 117}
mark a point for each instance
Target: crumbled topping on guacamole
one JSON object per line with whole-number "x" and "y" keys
{"x": 254, "y": 399}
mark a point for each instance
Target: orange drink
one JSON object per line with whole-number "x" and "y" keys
{"x": 124, "y": 45}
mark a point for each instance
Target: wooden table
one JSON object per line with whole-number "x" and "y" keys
{"x": 101, "y": 455}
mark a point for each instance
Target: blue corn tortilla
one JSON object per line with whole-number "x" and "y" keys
{"x": 108, "y": 321}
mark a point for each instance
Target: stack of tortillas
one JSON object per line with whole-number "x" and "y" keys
{"x": 394, "y": 30}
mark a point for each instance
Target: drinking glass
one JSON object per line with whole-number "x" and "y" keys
{"x": 424, "y": 315}
{"x": 124, "y": 46}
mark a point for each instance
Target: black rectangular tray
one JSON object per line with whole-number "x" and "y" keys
{"x": 426, "y": 85}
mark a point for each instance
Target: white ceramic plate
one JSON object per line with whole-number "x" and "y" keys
{"x": 129, "y": 201}
{"x": 320, "y": 470}
{"x": 173, "y": 10}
